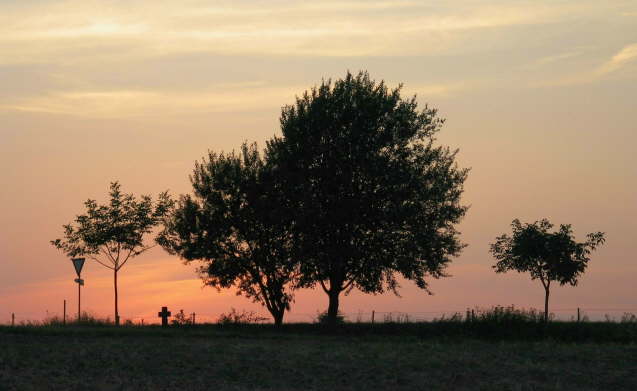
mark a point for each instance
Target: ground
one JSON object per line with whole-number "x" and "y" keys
{"x": 235, "y": 359}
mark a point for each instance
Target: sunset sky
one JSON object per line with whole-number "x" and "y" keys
{"x": 539, "y": 96}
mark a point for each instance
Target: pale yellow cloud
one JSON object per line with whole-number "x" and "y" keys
{"x": 227, "y": 97}
{"x": 440, "y": 89}
{"x": 554, "y": 58}
{"x": 619, "y": 60}
{"x": 52, "y": 32}
{"x": 93, "y": 30}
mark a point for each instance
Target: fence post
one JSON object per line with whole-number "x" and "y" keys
{"x": 193, "y": 318}
{"x": 12, "y": 319}
{"x": 64, "y": 316}
{"x": 468, "y": 318}
{"x": 578, "y": 317}
{"x": 473, "y": 315}
{"x": 373, "y": 313}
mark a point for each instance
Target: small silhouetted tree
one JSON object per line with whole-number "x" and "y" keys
{"x": 370, "y": 194}
{"x": 113, "y": 233}
{"x": 545, "y": 255}
{"x": 234, "y": 225}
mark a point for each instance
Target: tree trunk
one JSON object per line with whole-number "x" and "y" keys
{"x": 332, "y": 309}
{"x": 116, "y": 308}
{"x": 546, "y": 305}
{"x": 278, "y": 317}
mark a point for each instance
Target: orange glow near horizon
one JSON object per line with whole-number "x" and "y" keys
{"x": 538, "y": 96}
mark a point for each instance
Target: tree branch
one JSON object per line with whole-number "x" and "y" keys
{"x": 107, "y": 253}
{"x": 349, "y": 284}
{"x": 119, "y": 249}
{"x": 323, "y": 286}
{"x": 125, "y": 259}
{"x": 100, "y": 262}
{"x": 136, "y": 253}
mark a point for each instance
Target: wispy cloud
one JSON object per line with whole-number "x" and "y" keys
{"x": 440, "y": 89}
{"x": 554, "y": 58}
{"x": 619, "y": 60}
{"x": 51, "y": 31}
{"x": 143, "y": 103}
{"x": 98, "y": 55}
{"x": 225, "y": 97}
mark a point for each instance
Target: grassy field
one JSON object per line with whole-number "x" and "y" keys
{"x": 306, "y": 357}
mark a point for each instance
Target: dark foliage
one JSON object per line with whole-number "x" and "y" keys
{"x": 244, "y": 317}
{"x": 113, "y": 233}
{"x": 370, "y": 194}
{"x": 181, "y": 319}
{"x": 322, "y": 318}
{"x": 233, "y": 223}
{"x": 547, "y": 256}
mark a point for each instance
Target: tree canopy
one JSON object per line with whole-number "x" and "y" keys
{"x": 234, "y": 224}
{"x": 545, "y": 255}
{"x": 370, "y": 194}
{"x": 112, "y": 233}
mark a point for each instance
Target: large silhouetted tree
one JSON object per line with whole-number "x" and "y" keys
{"x": 370, "y": 193}
{"x": 547, "y": 256}
{"x": 233, "y": 223}
{"x": 113, "y": 233}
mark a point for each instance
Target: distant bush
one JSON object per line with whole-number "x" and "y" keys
{"x": 510, "y": 314}
{"x": 181, "y": 319}
{"x": 396, "y": 318}
{"x": 90, "y": 319}
{"x": 322, "y": 318}
{"x": 455, "y": 317}
{"x": 86, "y": 319}
{"x": 52, "y": 320}
{"x": 627, "y": 317}
{"x": 243, "y": 317}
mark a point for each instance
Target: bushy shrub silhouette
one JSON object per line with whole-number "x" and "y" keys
{"x": 243, "y": 317}
{"x": 322, "y": 318}
{"x": 181, "y": 319}
{"x": 510, "y": 314}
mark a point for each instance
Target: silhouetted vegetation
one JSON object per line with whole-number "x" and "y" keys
{"x": 494, "y": 324}
{"x": 234, "y": 224}
{"x": 547, "y": 256}
{"x": 243, "y": 317}
{"x": 113, "y": 233}
{"x": 370, "y": 194}
{"x": 323, "y": 318}
{"x": 86, "y": 319}
{"x": 628, "y": 318}
{"x": 353, "y": 193}
{"x": 181, "y": 319}
{"x": 510, "y": 314}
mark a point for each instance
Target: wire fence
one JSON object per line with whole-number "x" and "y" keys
{"x": 560, "y": 314}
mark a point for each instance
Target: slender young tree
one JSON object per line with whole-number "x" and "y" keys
{"x": 113, "y": 233}
{"x": 370, "y": 194}
{"x": 545, "y": 255}
{"x": 234, "y": 225}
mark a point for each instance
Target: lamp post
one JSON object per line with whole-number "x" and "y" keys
{"x": 78, "y": 263}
